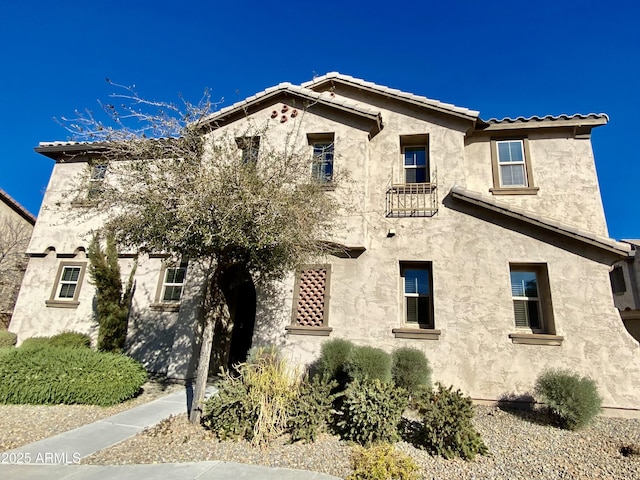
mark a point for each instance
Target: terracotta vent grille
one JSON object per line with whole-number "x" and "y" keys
{"x": 310, "y": 309}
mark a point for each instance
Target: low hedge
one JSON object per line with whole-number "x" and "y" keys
{"x": 54, "y": 375}
{"x": 64, "y": 339}
{"x": 7, "y": 339}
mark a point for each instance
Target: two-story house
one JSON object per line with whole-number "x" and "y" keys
{"x": 16, "y": 224}
{"x": 625, "y": 278}
{"x": 482, "y": 243}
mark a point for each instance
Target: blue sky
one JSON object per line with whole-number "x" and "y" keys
{"x": 503, "y": 58}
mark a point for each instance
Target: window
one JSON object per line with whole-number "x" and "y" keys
{"x": 511, "y": 167}
{"x": 415, "y": 164}
{"x": 250, "y": 147}
{"x": 311, "y": 301}
{"x": 511, "y": 163}
{"x": 98, "y": 173}
{"x": 531, "y": 298}
{"x": 616, "y": 276}
{"x": 526, "y": 301}
{"x": 67, "y": 284}
{"x": 417, "y": 298}
{"x": 173, "y": 284}
{"x": 322, "y": 164}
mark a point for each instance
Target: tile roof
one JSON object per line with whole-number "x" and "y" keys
{"x": 19, "y": 209}
{"x": 552, "y": 118}
{"x": 327, "y": 98}
{"x": 391, "y": 92}
{"x": 547, "y": 223}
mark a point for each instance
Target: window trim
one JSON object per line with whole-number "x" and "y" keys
{"x": 546, "y": 334}
{"x": 54, "y": 299}
{"x": 410, "y": 329}
{"x": 498, "y": 188}
{"x": 164, "y": 305}
{"x": 294, "y": 328}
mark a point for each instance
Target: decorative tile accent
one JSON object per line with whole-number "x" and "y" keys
{"x": 310, "y": 308}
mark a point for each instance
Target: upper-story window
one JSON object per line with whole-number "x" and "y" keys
{"x": 322, "y": 164}
{"x": 250, "y": 147}
{"x": 511, "y": 163}
{"x": 512, "y": 172}
{"x": 323, "y": 148}
{"x": 96, "y": 179}
{"x": 415, "y": 164}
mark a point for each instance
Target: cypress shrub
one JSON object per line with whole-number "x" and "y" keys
{"x": 410, "y": 369}
{"x": 368, "y": 363}
{"x": 54, "y": 375}
{"x": 573, "y": 399}
{"x": 113, "y": 306}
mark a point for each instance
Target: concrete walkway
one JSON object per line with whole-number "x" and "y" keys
{"x": 57, "y": 457}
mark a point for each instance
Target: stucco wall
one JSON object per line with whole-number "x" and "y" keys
{"x": 470, "y": 251}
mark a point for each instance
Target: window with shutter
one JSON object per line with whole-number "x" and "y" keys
{"x": 531, "y": 298}
{"x": 416, "y": 286}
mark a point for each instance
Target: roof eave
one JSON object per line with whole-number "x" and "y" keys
{"x": 610, "y": 246}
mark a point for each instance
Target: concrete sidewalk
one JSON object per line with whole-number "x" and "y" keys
{"x": 57, "y": 457}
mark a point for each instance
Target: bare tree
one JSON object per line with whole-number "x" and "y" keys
{"x": 175, "y": 184}
{"x": 14, "y": 239}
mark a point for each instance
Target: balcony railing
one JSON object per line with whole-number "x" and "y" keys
{"x": 412, "y": 199}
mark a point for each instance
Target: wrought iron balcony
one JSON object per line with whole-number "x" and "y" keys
{"x": 412, "y": 199}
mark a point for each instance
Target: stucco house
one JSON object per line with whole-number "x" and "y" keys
{"x": 16, "y": 225}
{"x": 625, "y": 278}
{"x": 465, "y": 239}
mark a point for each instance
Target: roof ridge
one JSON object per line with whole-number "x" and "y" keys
{"x": 392, "y": 91}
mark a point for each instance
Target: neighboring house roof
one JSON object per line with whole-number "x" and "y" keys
{"x": 635, "y": 243}
{"x": 549, "y": 224}
{"x": 576, "y": 120}
{"x": 15, "y": 206}
{"x": 335, "y": 77}
{"x": 325, "y": 98}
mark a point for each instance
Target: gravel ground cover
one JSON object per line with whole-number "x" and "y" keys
{"x": 522, "y": 445}
{"x": 23, "y": 424}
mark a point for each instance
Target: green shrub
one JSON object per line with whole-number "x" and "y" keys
{"x": 229, "y": 413}
{"x": 446, "y": 428}
{"x": 7, "y": 339}
{"x": 54, "y": 375}
{"x": 368, "y": 363}
{"x": 64, "y": 339}
{"x": 333, "y": 357}
{"x": 410, "y": 369}
{"x": 311, "y": 412}
{"x": 573, "y": 399}
{"x": 382, "y": 462}
{"x": 35, "y": 343}
{"x": 71, "y": 339}
{"x": 254, "y": 405}
{"x": 371, "y": 411}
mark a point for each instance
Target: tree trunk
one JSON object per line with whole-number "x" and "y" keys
{"x": 214, "y": 310}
